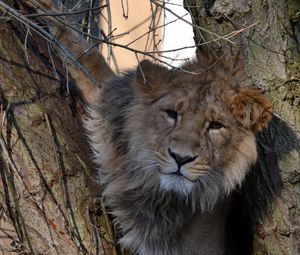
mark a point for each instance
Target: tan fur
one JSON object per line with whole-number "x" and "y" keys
{"x": 246, "y": 107}
{"x": 199, "y": 100}
{"x": 86, "y": 55}
{"x": 134, "y": 132}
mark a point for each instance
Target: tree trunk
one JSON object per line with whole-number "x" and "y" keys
{"x": 46, "y": 207}
{"x": 268, "y": 48}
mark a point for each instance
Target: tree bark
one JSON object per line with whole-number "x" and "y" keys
{"x": 268, "y": 49}
{"x": 44, "y": 195}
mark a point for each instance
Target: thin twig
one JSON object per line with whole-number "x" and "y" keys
{"x": 25, "y": 43}
{"x": 51, "y": 39}
{"x": 42, "y": 32}
{"x": 13, "y": 191}
{"x": 141, "y": 69}
{"x": 152, "y": 28}
{"x": 109, "y": 227}
{"x": 63, "y": 181}
{"x": 125, "y": 12}
{"x": 109, "y": 30}
{"x": 52, "y": 61}
{"x": 57, "y": 14}
{"x": 191, "y": 24}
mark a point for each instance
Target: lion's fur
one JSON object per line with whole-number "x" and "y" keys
{"x": 128, "y": 128}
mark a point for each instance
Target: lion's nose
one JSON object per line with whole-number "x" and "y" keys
{"x": 181, "y": 160}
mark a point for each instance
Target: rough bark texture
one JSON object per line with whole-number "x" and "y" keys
{"x": 269, "y": 51}
{"x": 44, "y": 195}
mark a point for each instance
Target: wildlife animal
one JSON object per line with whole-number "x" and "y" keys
{"x": 169, "y": 147}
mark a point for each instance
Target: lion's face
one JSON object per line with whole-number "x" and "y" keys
{"x": 195, "y": 133}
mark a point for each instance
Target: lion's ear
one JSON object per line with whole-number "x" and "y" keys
{"x": 251, "y": 109}
{"x": 147, "y": 72}
{"x": 152, "y": 79}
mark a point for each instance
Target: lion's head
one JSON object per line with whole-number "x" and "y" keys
{"x": 194, "y": 131}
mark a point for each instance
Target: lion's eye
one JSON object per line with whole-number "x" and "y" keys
{"x": 172, "y": 114}
{"x": 214, "y": 125}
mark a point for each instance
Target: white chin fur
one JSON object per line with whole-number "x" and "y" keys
{"x": 176, "y": 183}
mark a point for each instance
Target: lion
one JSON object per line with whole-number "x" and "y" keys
{"x": 169, "y": 147}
